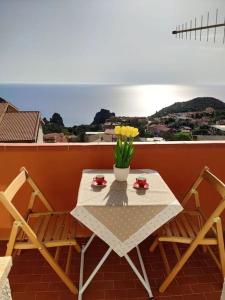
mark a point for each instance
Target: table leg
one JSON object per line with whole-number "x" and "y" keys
{"x": 82, "y": 287}
{"x": 142, "y": 266}
{"x": 144, "y": 280}
{"x": 83, "y": 250}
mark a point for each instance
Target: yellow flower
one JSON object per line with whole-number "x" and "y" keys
{"x": 123, "y": 130}
{"x": 117, "y": 130}
{"x": 126, "y": 131}
{"x": 134, "y": 132}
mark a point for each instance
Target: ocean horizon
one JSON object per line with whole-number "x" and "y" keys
{"x": 78, "y": 103}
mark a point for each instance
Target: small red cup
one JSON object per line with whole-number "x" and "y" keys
{"x": 141, "y": 181}
{"x": 99, "y": 179}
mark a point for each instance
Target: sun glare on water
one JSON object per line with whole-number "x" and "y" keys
{"x": 147, "y": 99}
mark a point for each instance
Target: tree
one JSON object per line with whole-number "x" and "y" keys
{"x": 55, "y": 125}
{"x": 57, "y": 119}
{"x": 142, "y": 131}
{"x": 181, "y": 136}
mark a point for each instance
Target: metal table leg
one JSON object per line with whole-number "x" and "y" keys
{"x": 82, "y": 287}
{"x": 144, "y": 280}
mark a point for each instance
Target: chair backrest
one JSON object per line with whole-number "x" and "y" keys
{"x": 216, "y": 183}
{"x": 9, "y": 193}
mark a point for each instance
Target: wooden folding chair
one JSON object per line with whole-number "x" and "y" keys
{"x": 40, "y": 230}
{"x": 193, "y": 228}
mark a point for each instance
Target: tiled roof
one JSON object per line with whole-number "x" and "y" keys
{"x": 3, "y": 108}
{"x": 19, "y": 127}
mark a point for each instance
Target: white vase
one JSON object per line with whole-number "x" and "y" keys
{"x": 121, "y": 174}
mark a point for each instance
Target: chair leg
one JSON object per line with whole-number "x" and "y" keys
{"x": 68, "y": 261}
{"x": 204, "y": 249}
{"x": 12, "y": 238}
{"x": 214, "y": 257}
{"x": 57, "y": 253}
{"x": 59, "y": 271}
{"x": 176, "y": 250}
{"x": 77, "y": 247}
{"x": 154, "y": 245}
{"x": 164, "y": 257}
{"x": 220, "y": 244}
{"x": 177, "y": 268}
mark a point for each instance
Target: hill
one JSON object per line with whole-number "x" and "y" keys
{"x": 102, "y": 116}
{"x": 196, "y": 104}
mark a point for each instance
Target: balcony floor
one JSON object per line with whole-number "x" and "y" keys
{"x": 32, "y": 279}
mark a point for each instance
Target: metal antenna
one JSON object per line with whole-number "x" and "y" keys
{"x": 208, "y": 27}
{"x": 186, "y": 29}
{"x": 224, "y": 32}
{"x": 190, "y": 28}
{"x": 195, "y": 27}
{"x": 180, "y": 30}
{"x": 201, "y": 29}
{"x": 215, "y": 26}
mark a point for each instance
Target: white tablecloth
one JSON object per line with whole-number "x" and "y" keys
{"x": 121, "y": 215}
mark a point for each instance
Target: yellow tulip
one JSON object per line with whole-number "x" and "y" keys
{"x": 134, "y": 132}
{"x": 117, "y": 130}
{"x": 127, "y": 131}
{"x": 123, "y": 130}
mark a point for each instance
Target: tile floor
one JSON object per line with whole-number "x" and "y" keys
{"x": 31, "y": 278}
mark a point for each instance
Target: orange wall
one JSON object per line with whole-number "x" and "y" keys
{"x": 57, "y": 168}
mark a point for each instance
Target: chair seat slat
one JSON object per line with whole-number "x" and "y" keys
{"x": 187, "y": 226}
{"x": 174, "y": 228}
{"x": 59, "y": 227}
{"x": 181, "y": 227}
{"x": 43, "y": 228}
{"x": 66, "y": 230}
{"x": 51, "y": 228}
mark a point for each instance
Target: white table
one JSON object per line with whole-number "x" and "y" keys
{"x": 5, "y": 266}
{"x": 123, "y": 216}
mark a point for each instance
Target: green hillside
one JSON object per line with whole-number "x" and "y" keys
{"x": 196, "y": 104}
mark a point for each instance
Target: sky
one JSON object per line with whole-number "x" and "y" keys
{"x": 53, "y": 49}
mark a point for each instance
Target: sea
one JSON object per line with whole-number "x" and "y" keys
{"x": 78, "y": 103}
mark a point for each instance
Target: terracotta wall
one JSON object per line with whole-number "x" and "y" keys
{"x": 57, "y": 169}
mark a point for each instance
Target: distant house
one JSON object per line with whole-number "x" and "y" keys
{"x": 218, "y": 129}
{"x": 93, "y": 136}
{"x": 158, "y": 129}
{"x": 19, "y": 126}
{"x": 185, "y": 129}
{"x": 55, "y": 138}
{"x": 109, "y": 135}
{"x": 209, "y": 110}
{"x": 100, "y": 136}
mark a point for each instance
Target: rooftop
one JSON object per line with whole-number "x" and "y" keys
{"x": 18, "y": 126}
{"x": 220, "y": 127}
